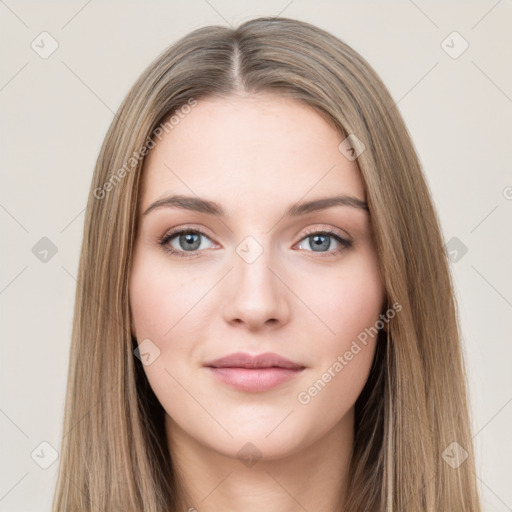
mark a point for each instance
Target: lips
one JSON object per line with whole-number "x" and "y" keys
{"x": 258, "y": 373}
{"x": 243, "y": 360}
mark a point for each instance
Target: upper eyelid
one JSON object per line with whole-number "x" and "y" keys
{"x": 173, "y": 232}
{"x": 330, "y": 231}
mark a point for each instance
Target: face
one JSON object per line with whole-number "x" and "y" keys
{"x": 246, "y": 275}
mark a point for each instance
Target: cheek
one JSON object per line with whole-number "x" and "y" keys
{"x": 166, "y": 309}
{"x": 159, "y": 301}
{"x": 349, "y": 304}
{"x": 347, "y": 301}
{"x": 159, "y": 297}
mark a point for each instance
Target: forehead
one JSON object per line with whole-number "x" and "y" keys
{"x": 239, "y": 149}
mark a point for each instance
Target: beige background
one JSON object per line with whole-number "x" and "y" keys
{"x": 55, "y": 113}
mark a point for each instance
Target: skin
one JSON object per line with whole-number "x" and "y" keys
{"x": 255, "y": 155}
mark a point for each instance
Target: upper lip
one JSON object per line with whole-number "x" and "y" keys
{"x": 243, "y": 360}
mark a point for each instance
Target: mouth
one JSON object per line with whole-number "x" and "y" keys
{"x": 254, "y": 373}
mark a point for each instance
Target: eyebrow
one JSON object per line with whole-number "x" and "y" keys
{"x": 208, "y": 207}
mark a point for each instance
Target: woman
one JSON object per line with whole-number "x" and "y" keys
{"x": 265, "y": 318}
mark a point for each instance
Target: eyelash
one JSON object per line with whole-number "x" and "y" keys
{"x": 164, "y": 241}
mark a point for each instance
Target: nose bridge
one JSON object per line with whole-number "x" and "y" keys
{"x": 252, "y": 261}
{"x": 258, "y": 296}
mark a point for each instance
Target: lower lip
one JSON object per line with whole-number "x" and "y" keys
{"x": 254, "y": 379}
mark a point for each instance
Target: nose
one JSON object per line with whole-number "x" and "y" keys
{"x": 257, "y": 296}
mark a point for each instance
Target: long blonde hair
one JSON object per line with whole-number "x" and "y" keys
{"x": 414, "y": 407}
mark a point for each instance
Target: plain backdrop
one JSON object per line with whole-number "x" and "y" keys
{"x": 55, "y": 110}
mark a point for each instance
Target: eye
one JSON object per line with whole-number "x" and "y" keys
{"x": 185, "y": 241}
{"x": 321, "y": 242}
